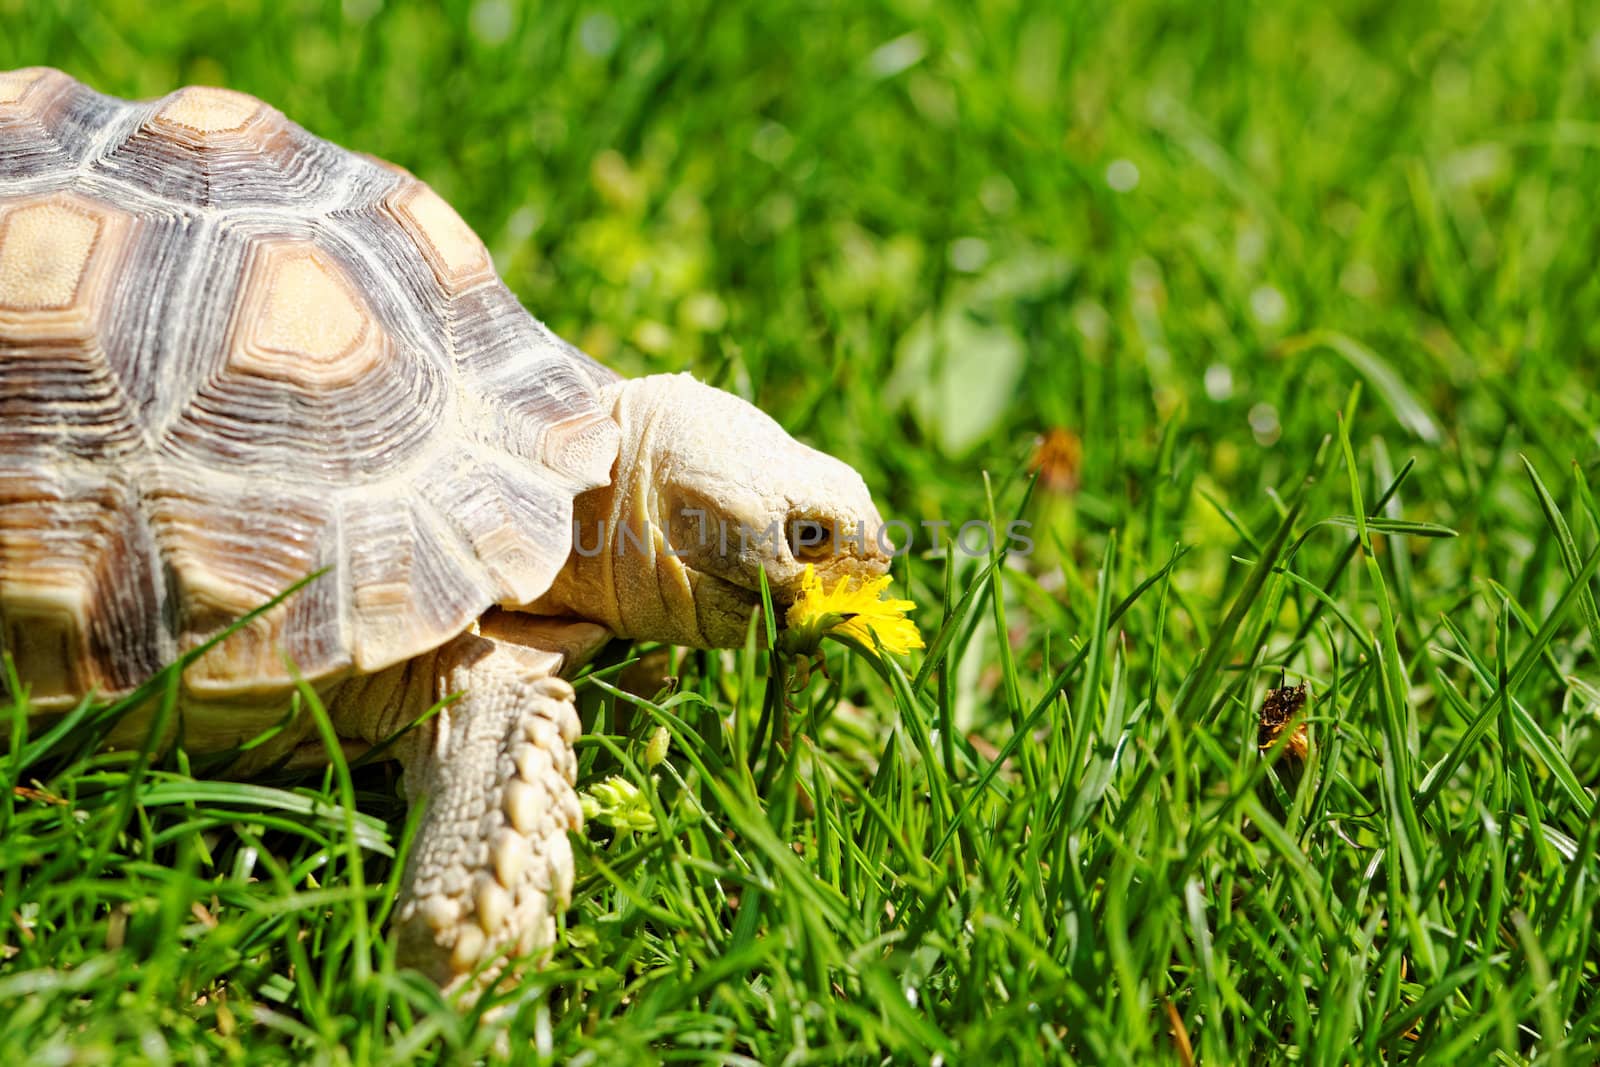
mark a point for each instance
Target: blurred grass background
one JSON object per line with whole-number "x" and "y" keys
{"x": 923, "y": 234}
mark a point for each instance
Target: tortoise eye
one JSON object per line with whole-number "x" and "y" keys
{"x": 810, "y": 540}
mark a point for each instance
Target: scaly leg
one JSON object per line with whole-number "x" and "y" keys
{"x": 491, "y": 864}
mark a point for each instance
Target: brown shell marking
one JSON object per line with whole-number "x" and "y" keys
{"x": 534, "y": 393}
{"x": 59, "y": 256}
{"x": 218, "y": 148}
{"x": 508, "y": 517}
{"x": 408, "y": 581}
{"x": 540, "y": 410}
{"x": 302, "y": 323}
{"x": 230, "y": 561}
{"x": 46, "y": 249}
{"x": 15, "y": 84}
{"x": 81, "y": 604}
{"x": 458, "y": 258}
{"x": 309, "y": 377}
{"x": 31, "y": 101}
{"x": 203, "y": 111}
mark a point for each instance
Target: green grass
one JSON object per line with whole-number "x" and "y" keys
{"x": 1315, "y": 289}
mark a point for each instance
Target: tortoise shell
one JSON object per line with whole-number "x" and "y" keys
{"x": 233, "y": 354}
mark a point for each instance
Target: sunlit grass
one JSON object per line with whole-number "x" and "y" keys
{"x": 1308, "y": 298}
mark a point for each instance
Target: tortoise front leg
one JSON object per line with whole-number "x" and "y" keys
{"x": 491, "y": 863}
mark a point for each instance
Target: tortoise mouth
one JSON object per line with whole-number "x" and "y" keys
{"x": 724, "y": 609}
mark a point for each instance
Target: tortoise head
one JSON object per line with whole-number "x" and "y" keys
{"x": 709, "y": 493}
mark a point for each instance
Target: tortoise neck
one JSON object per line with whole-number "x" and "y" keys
{"x": 622, "y": 571}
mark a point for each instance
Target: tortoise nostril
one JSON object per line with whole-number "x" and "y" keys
{"x": 810, "y": 539}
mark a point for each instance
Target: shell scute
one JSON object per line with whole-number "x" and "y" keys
{"x": 57, "y": 253}
{"x": 59, "y": 258}
{"x": 535, "y": 393}
{"x": 309, "y": 376}
{"x": 230, "y": 561}
{"x": 17, "y": 84}
{"x": 458, "y": 258}
{"x": 81, "y": 604}
{"x": 412, "y": 579}
{"x": 42, "y": 115}
{"x": 302, "y": 322}
{"x": 217, "y": 148}
{"x": 202, "y": 112}
{"x": 508, "y": 518}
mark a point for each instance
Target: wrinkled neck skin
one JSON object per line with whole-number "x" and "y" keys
{"x": 629, "y": 582}
{"x": 672, "y": 550}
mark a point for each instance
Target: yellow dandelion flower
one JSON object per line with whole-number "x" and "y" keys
{"x": 850, "y": 609}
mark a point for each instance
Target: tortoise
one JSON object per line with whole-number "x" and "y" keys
{"x": 233, "y": 355}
